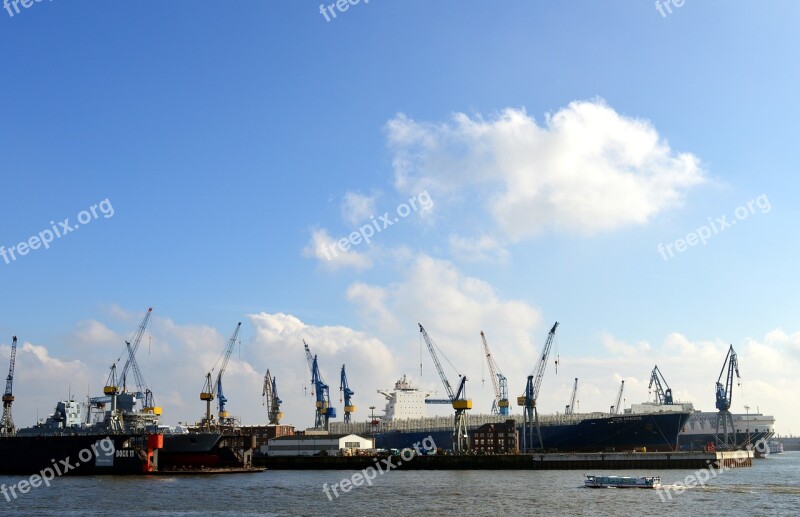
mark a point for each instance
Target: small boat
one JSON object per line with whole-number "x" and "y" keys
{"x": 622, "y": 482}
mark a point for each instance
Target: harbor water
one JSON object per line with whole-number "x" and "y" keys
{"x": 770, "y": 487}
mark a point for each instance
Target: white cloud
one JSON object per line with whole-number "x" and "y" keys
{"x": 588, "y": 169}
{"x": 484, "y": 248}
{"x": 357, "y": 208}
{"x": 329, "y": 255}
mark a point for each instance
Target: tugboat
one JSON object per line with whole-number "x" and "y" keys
{"x": 622, "y": 482}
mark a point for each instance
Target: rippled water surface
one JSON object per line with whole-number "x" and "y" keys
{"x": 770, "y": 487}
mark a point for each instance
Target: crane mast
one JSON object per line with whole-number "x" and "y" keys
{"x": 324, "y": 411}
{"x": 570, "y": 409}
{"x": 458, "y": 399}
{"x": 345, "y": 390}
{"x": 663, "y": 395}
{"x": 271, "y": 400}
{"x": 724, "y": 395}
{"x": 528, "y": 400}
{"x": 499, "y": 382}
{"x": 616, "y": 407}
{"x": 7, "y": 426}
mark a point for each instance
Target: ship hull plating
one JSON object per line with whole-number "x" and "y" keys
{"x": 656, "y": 432}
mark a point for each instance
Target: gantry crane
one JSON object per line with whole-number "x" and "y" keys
{"x": 214, "y": 390}
{"x": 324, "y": 411}
{"x": 347, "y": 393}
{"x": 7, "y": 426}
{"x": 571, "y": 406}
{"x": 663, "y": 396}
{"x": 528, "y": 400}
{"x": 616, "y": 407}
{"x": 725, "y": 399}
{"x": 457, "y": 399}
{"x": 270, "y": 399}
{"x": 499, "y": 382}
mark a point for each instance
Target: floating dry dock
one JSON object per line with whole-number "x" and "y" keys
{"x": 546, "y": 461}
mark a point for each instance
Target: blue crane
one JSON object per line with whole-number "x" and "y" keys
{"x": 324, "y": 411}
{"x": 530, "y": 415}
{"x": 499, "y": 382}
{"x": 212, "y": 390}
{"x": 457, "y": 399}
{"x": 345, "y": 391}
{"x": 663, "y": 396}
{"x": 724, "y": 394}
{"x": 7, "y": 426}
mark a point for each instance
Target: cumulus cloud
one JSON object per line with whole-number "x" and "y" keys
{"x": 329, "y": 255}
{"x": 587, "y": 169}
{"x": 483, "y": 248}
{"x": 357, "y": 208}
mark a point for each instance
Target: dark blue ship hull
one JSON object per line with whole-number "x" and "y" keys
{"x": 655, "y": 432}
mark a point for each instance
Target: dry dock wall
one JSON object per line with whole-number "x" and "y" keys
{"x": 549, "y": 461}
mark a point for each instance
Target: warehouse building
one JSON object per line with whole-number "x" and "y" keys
{"x": 316, "y": 444}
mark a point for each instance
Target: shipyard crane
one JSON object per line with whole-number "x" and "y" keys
{"x": 663, "y": 396}
{"x": 499, "y": 382}
{"x": 457, "y": 399}
{"x": 324, "y": 411}
{"x": 724, "y": 400}
{"x": 7, "y": 426}
{"x": 571, "y": 406}
{"x": 142, "y": 391}
{"x": 530, "y": 415}
{"x": 615, "y": 408}
{"x": 212, "y": 390}
{"x": 270, "y": 399}
{"x": 344, "y": 390}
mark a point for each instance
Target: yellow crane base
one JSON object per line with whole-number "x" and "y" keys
{"x": 462, "y": 404}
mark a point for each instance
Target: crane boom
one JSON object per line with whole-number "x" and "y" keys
{"x": 499, "y": 382}
{"x": 528, "y": 400}
{"x": 571, "y": 406}
{"x": 133, "y": 347}
{"x": 224, "y": 417}
{"x": 663, "y": 395}
{"x": 615, "y": 407}
{"x": 7, "y": 426}
{"x": 459, "y": 402}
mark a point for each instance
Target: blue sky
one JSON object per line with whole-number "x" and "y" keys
{"x": 226, "y": 137}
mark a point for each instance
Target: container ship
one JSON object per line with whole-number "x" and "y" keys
{"x": 405, "y": 422}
